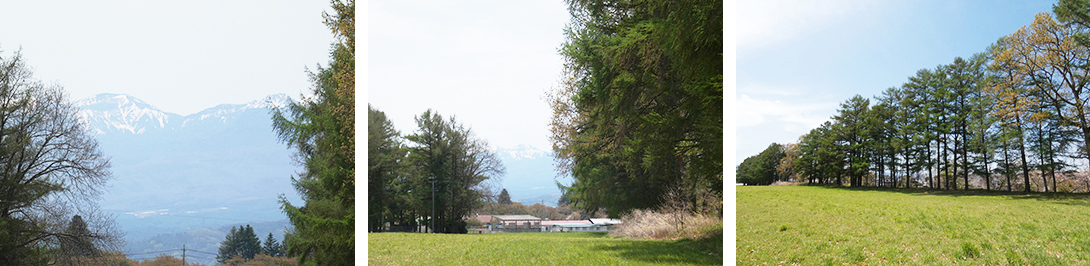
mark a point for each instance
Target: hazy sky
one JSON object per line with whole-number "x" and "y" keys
{"x": 181, "y": 56}
{"x": 798, "y": 60}
{"x": 486, "y": 62}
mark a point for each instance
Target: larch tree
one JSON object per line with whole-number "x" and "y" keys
{"x": 321, "y": 129}
{"x": 640, "y": 106}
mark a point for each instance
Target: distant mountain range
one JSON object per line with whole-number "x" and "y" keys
{"x": 531, "y": 177}
{"x": 172, "y": 173}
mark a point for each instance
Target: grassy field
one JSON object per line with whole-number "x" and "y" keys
{"x": 832, "y": 226}
{"x": 537, "y": 249}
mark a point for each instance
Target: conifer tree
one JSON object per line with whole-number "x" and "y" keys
{"x": 322, "y": 130}
{"x": 271, "y": 247}
{"x": 504, "y": 198}
{"x": 229, "y": 247}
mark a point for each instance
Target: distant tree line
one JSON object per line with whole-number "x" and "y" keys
{"x": 433, "y": 181}
{"x": 1013, "y": 117}
{"x": 761, "y": 169}
{"x": 504, "y": 206}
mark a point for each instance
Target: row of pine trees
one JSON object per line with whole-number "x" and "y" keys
{"x": 1015, "y": 112}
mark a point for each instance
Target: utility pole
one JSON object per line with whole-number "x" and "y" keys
{"x": 183, "y": 254}
{"x": 432, "y": 179}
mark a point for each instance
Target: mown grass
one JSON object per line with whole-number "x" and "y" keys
{"x": 537, "y": 249}
{"x": 804, "y": 225}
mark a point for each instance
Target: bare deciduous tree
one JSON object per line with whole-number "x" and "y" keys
{"x": 50, "y": 170}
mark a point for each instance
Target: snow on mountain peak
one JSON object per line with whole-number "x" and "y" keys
{"x": 275, "y": 101}
{"x": 522, "y": 151}
{"x": 120, "y": 112}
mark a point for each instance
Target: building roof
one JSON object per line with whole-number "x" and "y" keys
{"x": 516, "y": 218}
{"x": 605, "y": 221}
{"x": 483, "y": 218}
{"x": 576, "y": 225}
{"x": 562, "y": 222}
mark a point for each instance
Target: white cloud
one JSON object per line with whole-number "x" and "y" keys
{"x": 791, "y": 115}
{"x": 143, "y": 214}
{"x": 763, "y": 23}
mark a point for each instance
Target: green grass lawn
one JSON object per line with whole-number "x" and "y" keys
{"x": 822, "y": 226}
{"x": 537, "y": 249}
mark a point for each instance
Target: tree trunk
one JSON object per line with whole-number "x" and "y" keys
{"x": 965, "y": 154}
{"x": 954, "y": 166}
{"x": 1007, "y": 162}
{"x": 1022, "y": 150}
{"x": 984, "y": 153}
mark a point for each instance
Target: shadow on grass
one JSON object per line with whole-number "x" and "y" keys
{"x": 706, "y": 251}
{"x": 1080, "y": 199}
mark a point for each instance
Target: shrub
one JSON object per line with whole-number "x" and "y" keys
{"x": 474, "y": 222}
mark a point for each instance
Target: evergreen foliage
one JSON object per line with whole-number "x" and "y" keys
{"x": 1019, "y": 109}
{"x": 452, "y": 164}
{"x": 229, "y": 247}
{"x": 322, "y": 131}
{"x": 385, "y": 155}
{"x": 435, "y": 182}
{"x": 271, "y": 247}
{"x": 761, "y": 168}
{"x": 504, "y": 198}
{"x": 242, "y": 243}
{"x": 639, "y": 110}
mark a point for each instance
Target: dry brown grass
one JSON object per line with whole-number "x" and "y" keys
{"x": 786, "y": 183}
{"x": 662, "y": 225}
{"x": 645, "y": 224}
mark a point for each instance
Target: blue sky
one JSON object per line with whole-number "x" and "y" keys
{"x": 798, "y": 60}
{"x": 180, "y": 56}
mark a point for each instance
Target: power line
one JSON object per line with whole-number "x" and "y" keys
{"x": 152, "y": 252}
{"x": 198, "y": 251}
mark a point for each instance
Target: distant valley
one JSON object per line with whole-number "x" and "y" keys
{"x": 173, "y": 174}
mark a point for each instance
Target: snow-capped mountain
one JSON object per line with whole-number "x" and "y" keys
{"x": 531, "y": 177}
{"x": 171, "y": 173}
{"x": 122, "y": 113}
{"x": 521, "y": 152}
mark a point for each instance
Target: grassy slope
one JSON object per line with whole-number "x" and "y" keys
{"x": 536, "y": 249}
{"x": 816, "y": 226}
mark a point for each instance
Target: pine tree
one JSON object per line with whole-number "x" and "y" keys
{"x": 249, "y": 245}
{"x": 229, "y": 247}
{"x": 271, "y": 247}
{"x": 504, "y": 198}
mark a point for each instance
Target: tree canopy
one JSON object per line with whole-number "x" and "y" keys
{"x": 51, "y": 171}
{"x": 322, "y": 131}
{"x": 1017, "y": 111}
{"x": 639, "y": 109}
